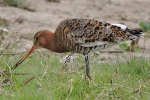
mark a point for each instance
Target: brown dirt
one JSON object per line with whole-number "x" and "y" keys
{"x": 24, "y": 24}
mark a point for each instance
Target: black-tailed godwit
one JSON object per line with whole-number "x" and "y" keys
{"x": 82, "y": 36}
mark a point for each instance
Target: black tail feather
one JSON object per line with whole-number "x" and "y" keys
{"x": 136, "y": 32}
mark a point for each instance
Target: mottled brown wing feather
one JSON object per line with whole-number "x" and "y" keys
{"x": 85, "y": 31}
{"x": 93, "y": 32}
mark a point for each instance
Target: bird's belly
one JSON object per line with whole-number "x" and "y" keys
{"x": 101, "y": 47}
{"x": 94, "y": 48}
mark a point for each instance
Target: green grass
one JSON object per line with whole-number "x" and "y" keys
{"x": 128, "y": 80}
{"x": 123, "y": 46}
{"x": 145, "y": 25}
{"x": 3, "y": 22}
{"x": 19, "y": 3}
{"x": 53, "y": 0}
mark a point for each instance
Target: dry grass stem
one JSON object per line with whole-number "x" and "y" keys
{"x": 71, "y": 88}
{"x": 27, "y": 81}
{"x": 5, "y": 49}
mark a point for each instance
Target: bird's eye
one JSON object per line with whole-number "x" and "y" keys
{"x": 37, "y": 38}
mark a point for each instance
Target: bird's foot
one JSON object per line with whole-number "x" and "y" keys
{"x": 89, "y": 77}
{"x": 67, "y": 60}
{"x": 132, "y": 49}
{"x": 133, "y": 46}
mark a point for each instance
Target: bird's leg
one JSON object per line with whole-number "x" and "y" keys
{"x": 67, "y": 60}
{"x": 133, "y": 44}
{"x": 87, "y": 67}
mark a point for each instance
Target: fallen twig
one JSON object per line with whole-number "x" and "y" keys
{"x": 5, "y": 49}
{"x": 111, "y": 51}
{"x": 27, "y": 81}
{"x": 18, "y": 73}
{"x": 13, "y": 53}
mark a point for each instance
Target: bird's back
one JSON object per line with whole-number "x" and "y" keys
{"x": 86, "y": 35}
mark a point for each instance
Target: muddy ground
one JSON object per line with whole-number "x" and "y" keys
{"x": 23, "y": 24}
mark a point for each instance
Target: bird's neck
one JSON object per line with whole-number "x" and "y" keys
{"x": 55, "y": 44}
{"x": 52, "y": 47}
{"x": 50, "y": 43}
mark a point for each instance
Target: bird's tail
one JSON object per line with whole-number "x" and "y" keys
{"x": 135, "y": 33}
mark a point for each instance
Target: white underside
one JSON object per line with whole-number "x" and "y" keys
{"x": 93, "y": 44}
{"x": 99, "y": 46}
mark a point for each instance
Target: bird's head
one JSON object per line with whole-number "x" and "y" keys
{"x": 41, "y": 39}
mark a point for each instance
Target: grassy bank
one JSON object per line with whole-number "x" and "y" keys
{"x": 43, "y": 77}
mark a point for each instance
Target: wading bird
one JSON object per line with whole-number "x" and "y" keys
{"x": 82, "y": 36}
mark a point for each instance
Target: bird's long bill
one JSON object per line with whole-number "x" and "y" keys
{"x": 24, "y": 57}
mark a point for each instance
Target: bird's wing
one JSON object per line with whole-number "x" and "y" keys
{"x": 89, "y": 32}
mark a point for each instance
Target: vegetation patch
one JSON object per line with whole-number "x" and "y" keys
{"x": 146, "y": 25}
{"x": 53, "y": 0}
{"x": 19, "y": 3}
{"x": 42, "y": 77}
